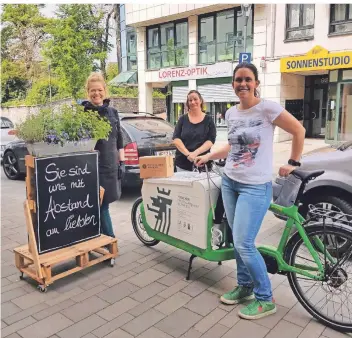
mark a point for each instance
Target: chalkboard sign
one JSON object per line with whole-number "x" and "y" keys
{"x": 67, "y": 200}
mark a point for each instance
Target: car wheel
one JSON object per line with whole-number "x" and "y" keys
{"x": 332, "y": 204}
{"x": 10, "y": 165}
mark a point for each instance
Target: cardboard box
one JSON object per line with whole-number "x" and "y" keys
{"x": 156, "y": 166}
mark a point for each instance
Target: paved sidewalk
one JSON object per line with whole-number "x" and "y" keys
{"x": 144, "y": 295}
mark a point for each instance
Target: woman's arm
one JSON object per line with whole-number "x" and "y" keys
{"x": 119, "y": 141}
{"x": 291, "y": 125}
{"x": 177, "y": 137}
{"x": 181, "y": 147}
{"x": 215, "y": 155}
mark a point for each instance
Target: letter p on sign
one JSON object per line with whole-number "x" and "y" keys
{"x": 245, "y": 57}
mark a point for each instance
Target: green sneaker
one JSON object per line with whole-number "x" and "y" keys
{"x": 257, "y": 309}
{"x": 237, "y": 295}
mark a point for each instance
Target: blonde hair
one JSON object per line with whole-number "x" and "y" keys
{"x": 96, "y": 77}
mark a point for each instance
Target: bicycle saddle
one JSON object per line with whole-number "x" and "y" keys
{"x": 307, "y": 175}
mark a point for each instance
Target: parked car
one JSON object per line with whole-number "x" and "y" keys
{"x": 333, "y": 189}
{"x": 143, "y": 135}
{"x": 7, "y": 134}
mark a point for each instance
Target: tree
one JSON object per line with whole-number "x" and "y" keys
{"x": 111, "y": 71}
{"x": 22, "y": 33}
{"x": 118, "y": 37}
{"x": 72, "y": 47}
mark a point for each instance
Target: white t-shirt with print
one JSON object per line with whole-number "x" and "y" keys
{"x": 250, "y": 134}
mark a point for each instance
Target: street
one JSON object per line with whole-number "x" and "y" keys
{"x": 145, "y": 294}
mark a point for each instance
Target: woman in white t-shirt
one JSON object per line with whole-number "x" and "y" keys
{"x": 246, "y": 184}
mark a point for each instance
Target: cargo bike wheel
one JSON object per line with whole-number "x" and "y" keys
{"x": 138, "y": 226}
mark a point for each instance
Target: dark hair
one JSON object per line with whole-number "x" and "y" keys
{"x": 252, "y": 68}
{"x": 193, "y": 91}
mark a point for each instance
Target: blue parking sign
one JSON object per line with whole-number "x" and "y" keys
{"x": 245, "y": 57}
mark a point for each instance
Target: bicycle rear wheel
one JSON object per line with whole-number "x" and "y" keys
{"x": 328, "y": 300}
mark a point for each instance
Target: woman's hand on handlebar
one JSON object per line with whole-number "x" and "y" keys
{"x": 286, "y": 170}
{"x": 201, "y": 160}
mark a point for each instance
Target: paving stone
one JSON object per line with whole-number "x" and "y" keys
{"x": 173, "y": 277}
{"x": 312, "y": 330}
{"x": 23, "y": 314}
{"x": 112, "y": 325}
{"x": 216, "y": 331}
{"x": 143, "y": 322}
{"x": 14, "y": 335}
{"x": 85, "y": 308}
{"x": 285, "y": 329}
{"x": 246, "y": 328}
{"x": 8, "y": 270}
{"x": 34, "y": 298}
{"x": 83, "y": 327}
{"x": 284, "y": 296}
{"x": 8, "y": 309}
{"x": 172, "y": 323}
{"x": 271, "y": 321}
{"x": 330, "y": 333}
{"x": 145, "y": 266}
{"x": 146, "y": 305}
{"x": 146, "y": 277}
{"x": 128, "y": 258}
{"x": 210, "y": 320}
{"x": 46, "y": 327}
{"x": 89, "y": 293}
{"x": 192, "y": 333}
{"x": 17, "y": 326}
{"x": 225, "y": 307}
{"x": 119, "y": 270}
{"x": 231, "y": 318}
{"x": 218, "y": 273}
{"x": 89, "y": 335}
{"x": 118, "y": 291}
{"x": 92, "y": 282}
{"x": 173, "y": 289}
{"x": 169, "y": 265}
{"x": 298, "y": 315}
{"x": 13, "y": 294}
{"x": 120, "y": 278}
{"x": 153, "y": 332}
{"x": 53, "y": 309}
{"x": 147, "y": 292}
{"x": 198, "y": 286}
{"x": 224, "y": 285}
{"x": 118, "y": 308}
{"x": 5, "y": 282}
{"x": 64, "y": 296}
{"x": 148, "y": 258}
{"x": 173, "y": 303}
{"x": 119, "y": 334}
{"x": 203, "y": 303}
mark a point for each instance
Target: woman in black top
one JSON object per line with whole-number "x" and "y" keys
{"x": 111, "y": 152}
{"x": 194, "y": 133}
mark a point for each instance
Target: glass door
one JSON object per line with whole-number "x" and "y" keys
{"x": 331, "y": 118}
{"x": 345, "y": 112}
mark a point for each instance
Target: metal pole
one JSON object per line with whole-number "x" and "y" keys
{"x": 245, "y": 35}
{"x": 50, "y": 85}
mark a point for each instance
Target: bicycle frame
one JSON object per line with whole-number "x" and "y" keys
{"x": 295, "y": 219}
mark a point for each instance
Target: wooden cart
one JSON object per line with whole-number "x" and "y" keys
{"x": 39, "y": 267}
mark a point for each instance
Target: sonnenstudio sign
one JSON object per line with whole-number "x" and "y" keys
{"x": 221, "y": 69}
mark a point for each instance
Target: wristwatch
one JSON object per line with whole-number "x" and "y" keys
{"x": 294, "y": 163}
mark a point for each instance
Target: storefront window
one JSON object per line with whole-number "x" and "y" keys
{"x": 340, "y": 18}
{"x": 206, "y": 40}
{"x": 299, "y": 21}
{"x": 345, "y": 112}
{"x": 331, "y": 110}
{"x": 179, "y": 109}
{"x": 131, "y": 50}
{"x": 168, "y": 45}
{"x": 221, "y": 36}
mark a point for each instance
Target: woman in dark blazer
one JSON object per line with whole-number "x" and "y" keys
{"x": 111, "y": 152}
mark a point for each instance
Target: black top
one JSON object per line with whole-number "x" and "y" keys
{"x": 108, "y": 150}
{"x": 193, "y": 135}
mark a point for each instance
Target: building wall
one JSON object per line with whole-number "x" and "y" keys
{"x": 321, "y": 31}
{"x": 145, "y": 15}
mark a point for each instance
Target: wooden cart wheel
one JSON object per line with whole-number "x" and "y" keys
{"x": 42, "y": 288}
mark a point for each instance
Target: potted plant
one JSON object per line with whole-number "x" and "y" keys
{"x": 66, "y": 129}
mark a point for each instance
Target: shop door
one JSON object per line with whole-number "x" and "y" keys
{"x": 345, "y": 112}
{"x": 317, "y": 113}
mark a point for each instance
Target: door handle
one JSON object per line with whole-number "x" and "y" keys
{"x": 315, "y": 115}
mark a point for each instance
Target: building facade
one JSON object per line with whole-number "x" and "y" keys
{"x": 303, "y": 54}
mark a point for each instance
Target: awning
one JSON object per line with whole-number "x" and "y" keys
{"x": 128, "y": 77}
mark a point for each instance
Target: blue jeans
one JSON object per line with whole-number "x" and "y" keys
{"x": 245, "y": 207}
{"x": 105, "y": 219}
